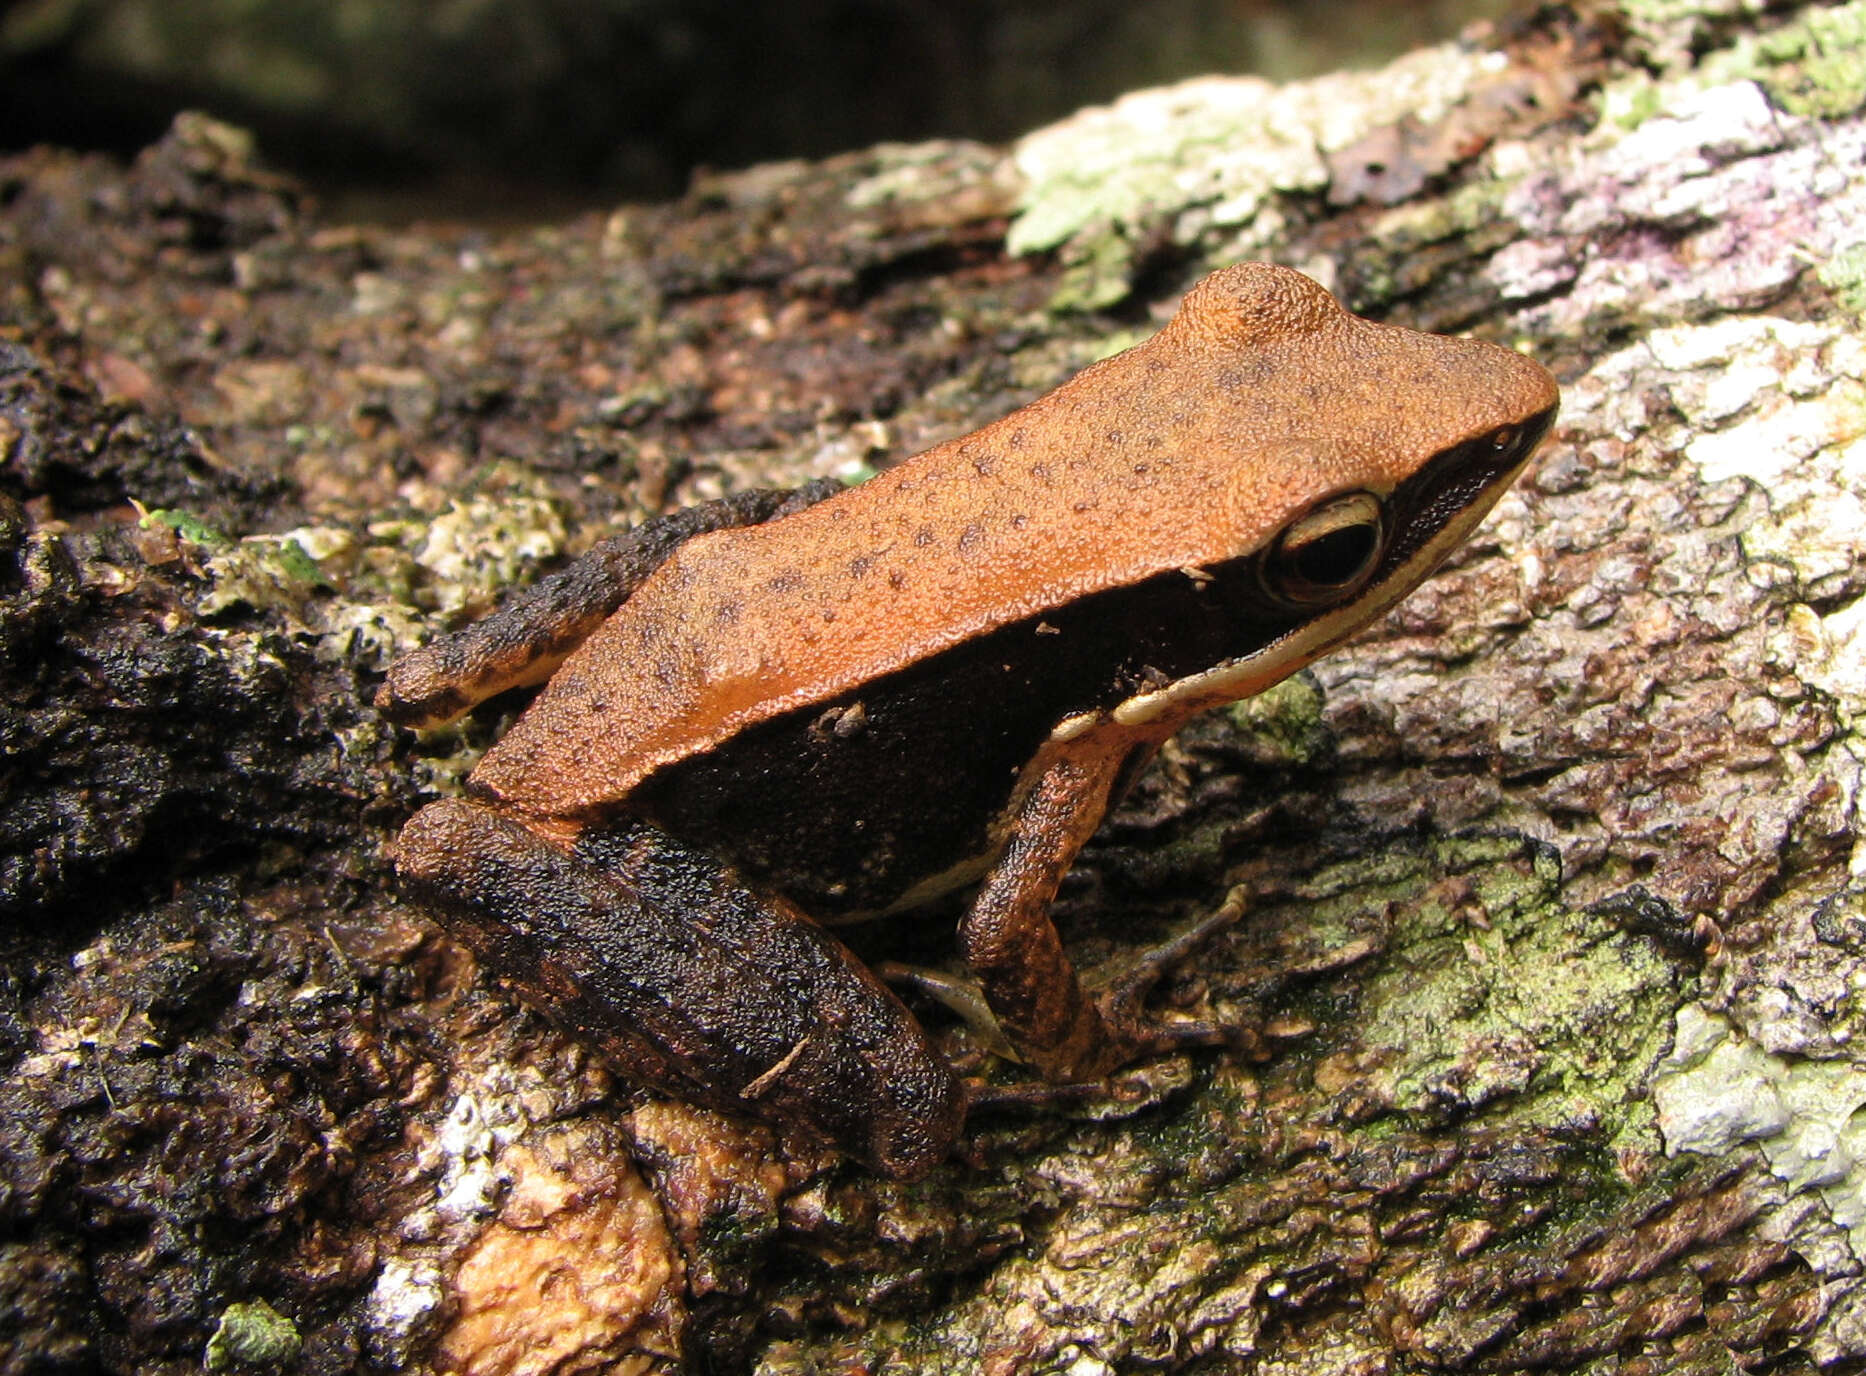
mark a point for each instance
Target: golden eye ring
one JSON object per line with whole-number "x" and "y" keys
{"x": 1327, "y": 553}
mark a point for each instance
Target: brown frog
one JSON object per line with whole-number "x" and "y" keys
{"x": 779, "y": 709}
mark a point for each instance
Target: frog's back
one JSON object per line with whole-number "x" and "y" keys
{"x": 1177, "y": 454}
{"x": 742, "y": 626}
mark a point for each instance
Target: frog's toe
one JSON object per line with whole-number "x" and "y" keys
{"x": 958, "y": 995}
{"x": 1122, "y": 999}
{"x": 1135, "y": 1035}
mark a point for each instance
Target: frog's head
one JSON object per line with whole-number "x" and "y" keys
{"x": 1355, "y": 456}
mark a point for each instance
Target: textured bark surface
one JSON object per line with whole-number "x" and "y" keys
{"x": 1555, "y": 922}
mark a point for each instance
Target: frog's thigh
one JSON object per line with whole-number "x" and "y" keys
{"x": 1010, "y": 942}
{"x": 689, "y": 979}
{"x": 524, "y": 641}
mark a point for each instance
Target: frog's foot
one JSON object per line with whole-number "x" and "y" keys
{"x": 688, "y": 979}
{"x": 1127, "y": 1033}
{"x": 1116, "y": 1096}
{"x": 1133, "y": 1036}
{"x": 1123, "y": 997}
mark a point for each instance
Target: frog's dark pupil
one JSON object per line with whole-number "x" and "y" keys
{"x": 1337, "y": 557}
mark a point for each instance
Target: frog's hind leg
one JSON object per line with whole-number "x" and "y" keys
{"x": 690, "y": 980}
{"x": 524, "y": 641}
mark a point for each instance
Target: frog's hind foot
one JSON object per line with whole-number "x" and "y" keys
{"x": 1119, "y": 1095}
{"x": 958, "y": 995}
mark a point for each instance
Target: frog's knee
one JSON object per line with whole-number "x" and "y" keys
{"x": 455, "y": 851}
{"x": 520, "y": 646}
{"x": 423, "y": 690}
{"x": 922, "y": 1122}
{"x": 439, "y": 839}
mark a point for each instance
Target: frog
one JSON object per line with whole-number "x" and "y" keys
{"x": 774, "y": 713}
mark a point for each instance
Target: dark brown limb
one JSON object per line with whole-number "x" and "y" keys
{"x": 689, "y": 980}
{"x": 1027, "y": 979}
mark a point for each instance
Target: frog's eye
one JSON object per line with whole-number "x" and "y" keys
{"x": 1325, "y": 553}
{"x": 1503, "y": 439}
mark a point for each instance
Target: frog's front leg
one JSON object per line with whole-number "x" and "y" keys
{"x": 525, "y": 640}
{"x": 1011, "y": 944}
{"x": 688, "y": 979}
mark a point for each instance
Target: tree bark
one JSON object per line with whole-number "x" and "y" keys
{"x": 1555, "y": 919}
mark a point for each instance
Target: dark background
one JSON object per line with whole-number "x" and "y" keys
{"x": 523, "y": 108}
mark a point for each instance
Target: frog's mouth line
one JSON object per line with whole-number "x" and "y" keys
{"x": 1433, "y": 512}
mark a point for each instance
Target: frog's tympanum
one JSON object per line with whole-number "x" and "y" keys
{"x": 777, "y": 710}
